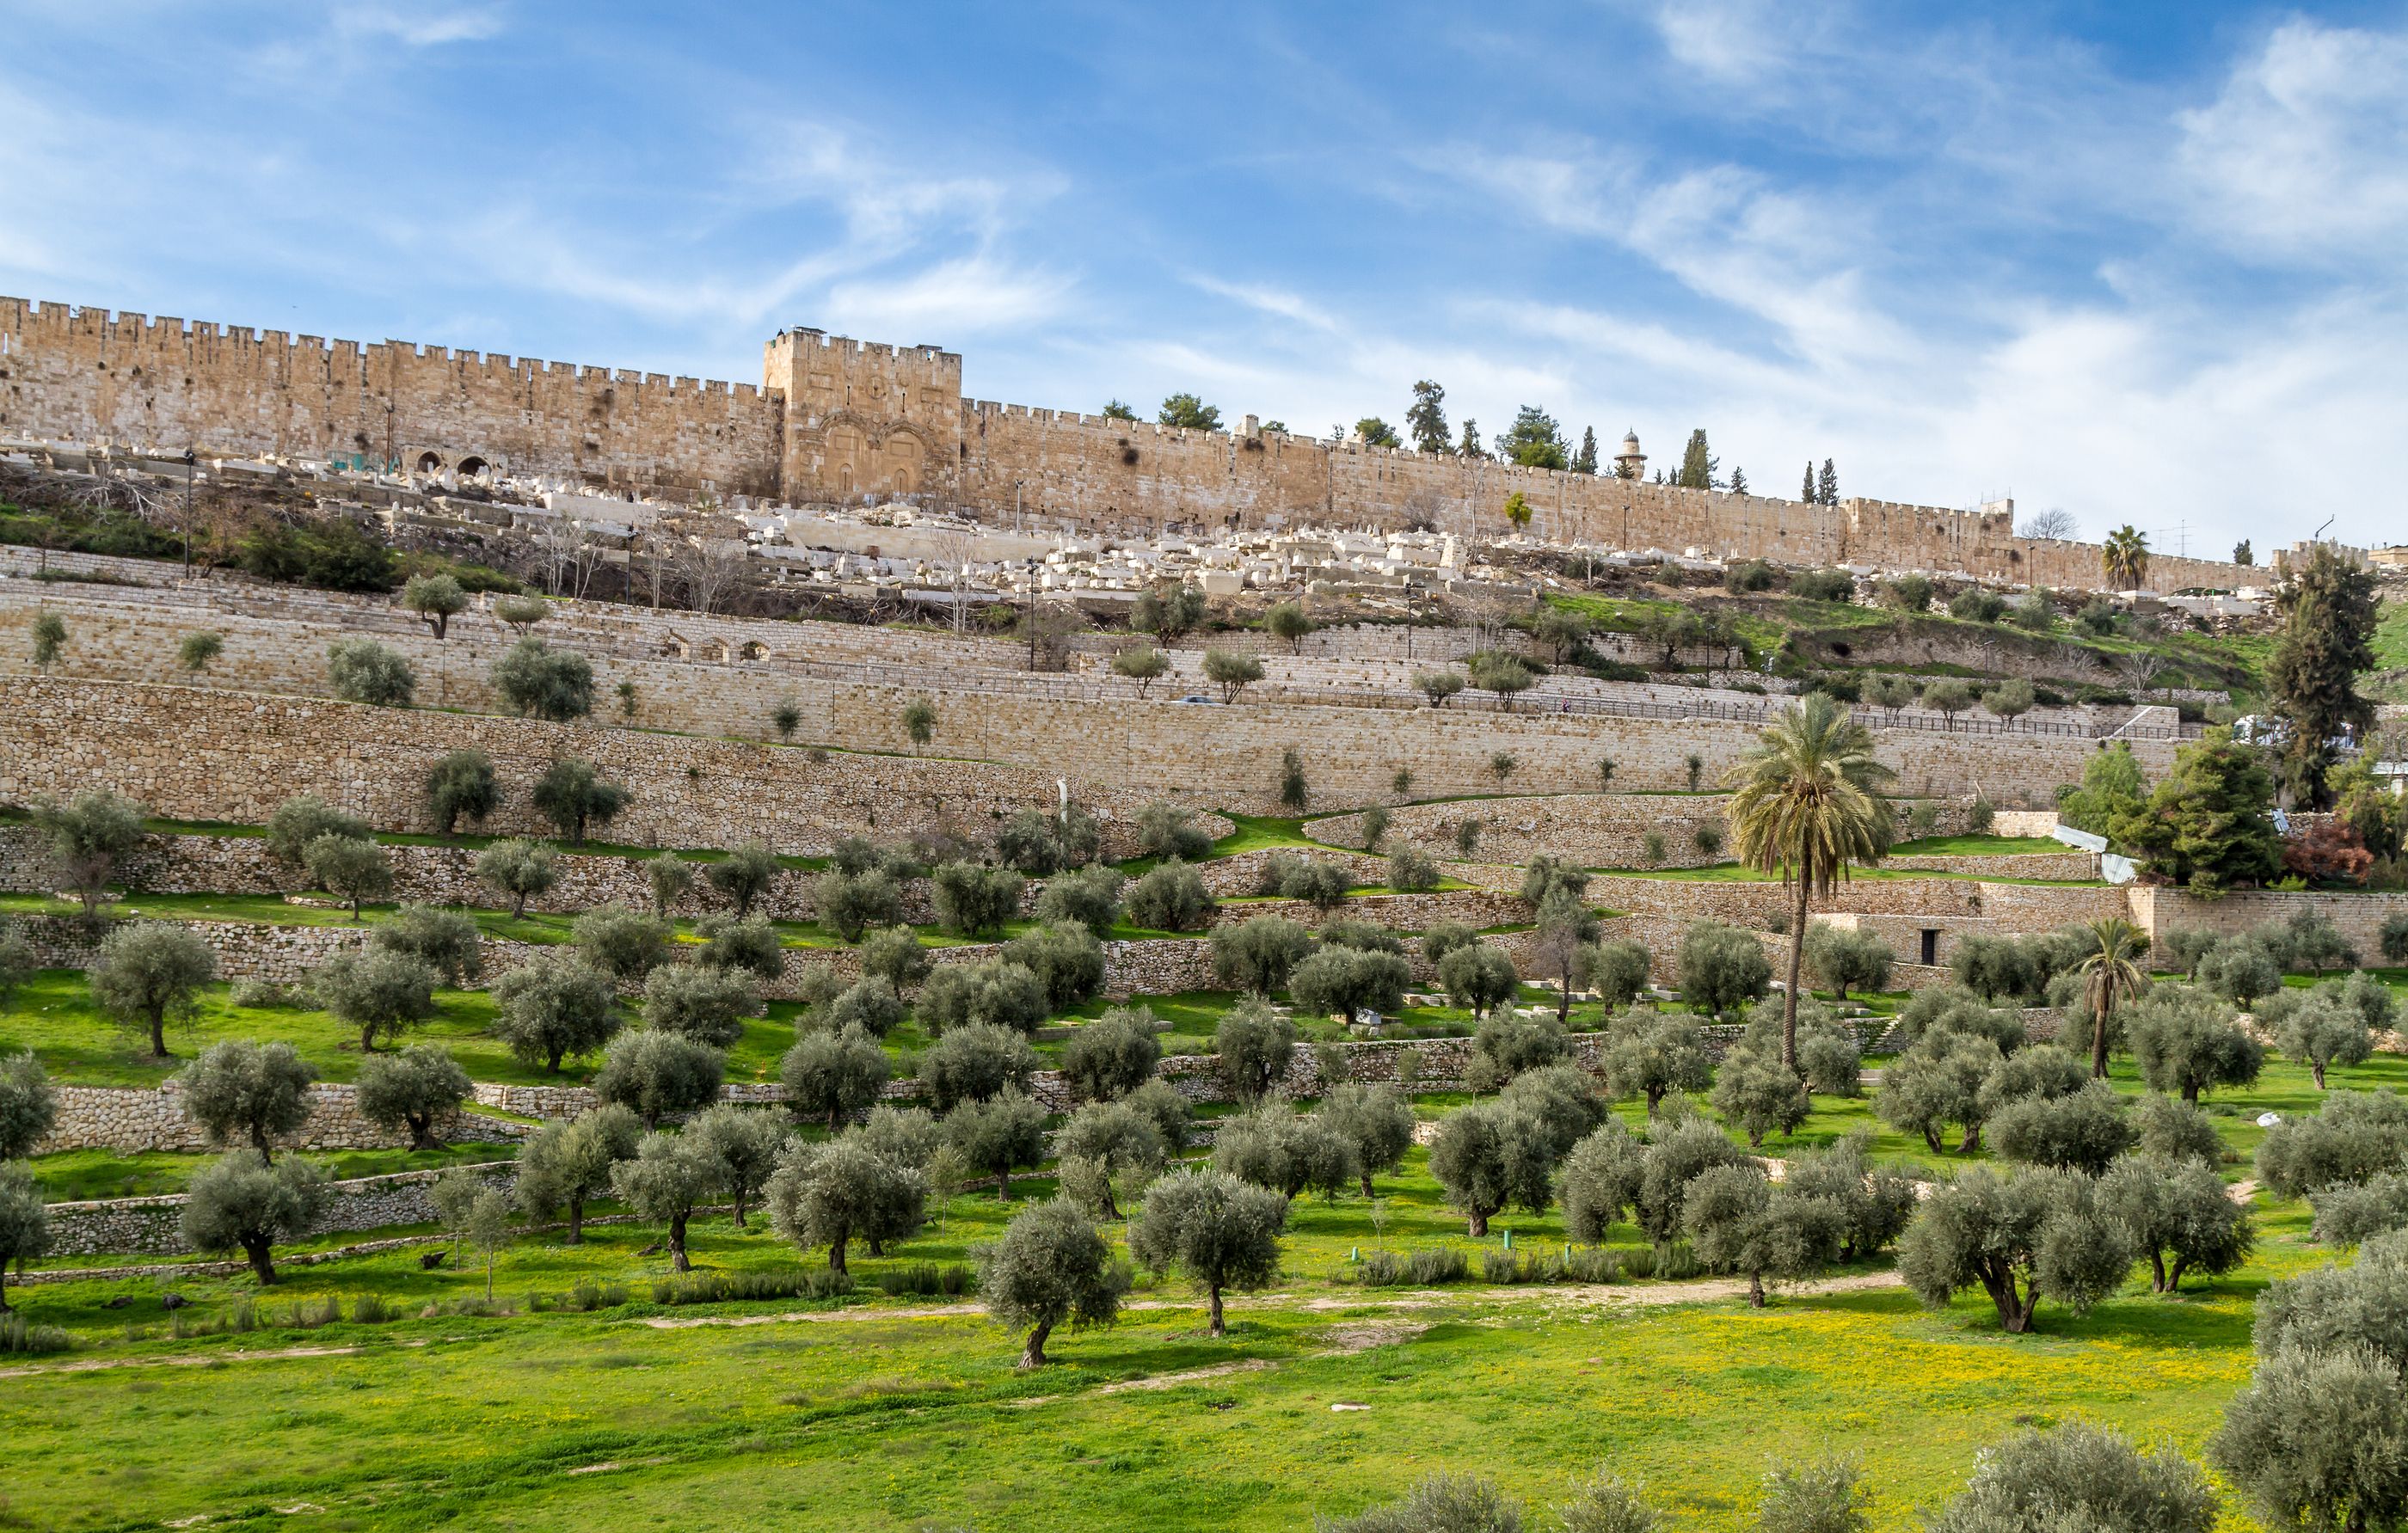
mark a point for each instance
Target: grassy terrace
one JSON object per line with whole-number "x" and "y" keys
{"x": 900, "y": 1413}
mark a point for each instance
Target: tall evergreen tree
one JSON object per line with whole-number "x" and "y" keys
{"x": 1828, "y": 488}
{"x": 1807, "y": 495}
{"x": 1535, "y": 440}
{"x": 1376, "y": 432}
{"x": 1426, "y": 419}
{"x": 2329, "y": 615}
{"x": 1584, "y": 462}
{"x": 1738, "y": 481}
{"x": 1697, "y": 464}
{"x": 1470, "y": 447}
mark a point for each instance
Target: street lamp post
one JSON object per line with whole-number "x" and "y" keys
{"x": 191, "y": 459}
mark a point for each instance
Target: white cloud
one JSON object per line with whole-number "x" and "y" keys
{"x": 969, "y": 296}
{"x": 1277, "y": 302}
{"x": 422, "y": 28}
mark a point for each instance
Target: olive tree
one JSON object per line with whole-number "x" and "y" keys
{"x": 850, "y": 904}
{"x": 707, "y": 1004}
{"x": 521, "y": 869}
{"x": 2181, "y": 1215}
{"x": 24, "y": 1221}
{"x": 744, "y": 874}
{"x": 1050, "y": 1268}
{"x": 2313, "y": 1441}
{"x": 1757, "y": 1093}
{"x": 1273, "y": 1146}
{"x": 666, "y": 1179}
{"x": 241, "y": 1202}
{"x": 148, "y": 971}
{"x": 566, "y": 1165}
{"x": 993, "y": 992}
{"x": 833, "y": 1074}
{"x": 446, "y": 941}
{"x": 85, "y": 840}
{"x": 1109, "y": 1140}
{"x": 751, "y": 945}
{"x": 896, "y": 955}
{"x": 1875, "y": 1203}
{"x": 1845, "y": 960}
{"x": 538, "y": 682}
{"x": 1617, "y": 971}
{"x": 2083, "y": 1130}
{"x": 1067, "y": 959}
{"x": 1721, "y": 968}
{"x": 1738, "y": 1222}
{"x": 2079, "y": 1476}
{"x": 29, "y": 1106}
{"x": 1258, "y": 955}
{"x": 998, "y": 1135}
{"x": 1678, "y": 1152}
{"x": 2355, "y": 1137}
{"x": 1114, "y": 1054}
{"x": 871, "y": 1004}
{"x": 2321, "y": 1029}
{"x": 1376, "y": 1122}
{"x": 1090, "y": 896}
{"x": 2172, "y": 1129}
{"x": 1344, "y": 982}
{"x": 552, "y": 1006}
{"x": 971, "y": 899}
{"x": 972, "y": 1063}
{"x": 2027, "y": 1236}
{"x": 461, "y": 786}
{"x": 1169, "y": 897}
{"x": 671, "y": 878}
{"x": 2188, "y": 1041}
{"x": 831, "y": 1195}
{"x": 437, "y": 599}
{"x": 1256, "y": 1045}
{"x": 361, "y": 670}
{"x": 412, "y": 1089}
{"x": 743, "y": 1143}
{"x": 378, "y": 991}
{"x": 659, "y": 1075}
{"x": 1479, "y": 978}
{"x": 353, "y": 870}
{"x": 1602, "y": 1179}
{"x": 1936, "y": 1083}
{"x": 572, "y": 794}
{"x": 1224, "y": 1233}
{"x": 1649, "y": 1055}
{"x": 623, "y": 944}
{"x": 1488, "y": 1155}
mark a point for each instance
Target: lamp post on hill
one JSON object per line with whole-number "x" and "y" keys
{"x": 191, "y": 460}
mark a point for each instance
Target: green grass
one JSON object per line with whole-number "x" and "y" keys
{"x": 74, "y": 1175}
{"x": 1735, "y": 873}
{"x": 1978, "y": 846}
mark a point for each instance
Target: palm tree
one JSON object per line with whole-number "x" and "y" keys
{"x": 2124, "y": 558}
{"x": 1806, "y": 805}
{"x": 2111, "y": 975}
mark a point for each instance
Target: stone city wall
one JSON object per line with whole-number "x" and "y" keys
{"x": 131, "y": 1120}
{"x": 156, "y": 1224}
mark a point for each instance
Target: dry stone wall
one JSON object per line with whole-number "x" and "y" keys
{"x": 2360, "y": 915}
{"x": 130, "y": 1121}
{"x": 156, "y": 1224}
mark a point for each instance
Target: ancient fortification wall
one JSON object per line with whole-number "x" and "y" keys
{"x": 835, "y": 419}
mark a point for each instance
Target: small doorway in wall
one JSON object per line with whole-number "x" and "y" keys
{"x": 1931, "y": 947}
{"x": 429, "y": 462}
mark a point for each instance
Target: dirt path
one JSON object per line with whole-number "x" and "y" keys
{"x": 195, "y": 1360}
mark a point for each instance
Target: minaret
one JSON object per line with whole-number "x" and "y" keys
{"x": 1630, "y": 463}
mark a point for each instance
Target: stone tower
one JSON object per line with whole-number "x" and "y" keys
{"x": 1630, "y": 463}
{"x": 865, "y": 420}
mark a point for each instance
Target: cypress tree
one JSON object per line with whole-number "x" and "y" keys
{"x": 1585, "y": 462}
{"x": 1697, "y": 465}
{"x": 1738, "y": 481}
{"x": 1829, "y": 489}
{"x": 2328, "y": 616}
{"x": 1807, "y": 495}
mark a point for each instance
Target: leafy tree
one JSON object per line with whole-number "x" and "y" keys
{"x": 623, "y": 944}
{"x": 50, "y": 633}
{"x": 1948, "y": 697}
{"x": 148, "y": 971}
{"x": 832, "y": 1193}
{"x": 975, "y": 1063}
{"x": 1738, "y": 1222}
{"x": 1909, "y": 593}
{"x": 522, "y": 613}
{"x": 707, "y": 1004}
{"x": 1503, "y": 674}
{"x": 744, "y": 876}
{"x": 2031, "y": 1234}
{"x": 2008, "y": 700}
{"x": 2354, "y": 1136}
{"x": 1231, "y": 672}
{"x": 1119, "y": 410}
{"x": 2328, "y": 606}
{"x": 1602, "y": 1179}
{"x": 1109, "y": 1140}
{"x": 1845, "y": 960}
{"x": 1286, "y": 621}
{"x": 2240, "y": 969}
{"x": 1936, "y": 1083}
{"x": 25, "y": 1223}
{"x": 850, "y": 904}
{"x": 2349, "y": 1213}
{"x": 1089, "y": 898}
{"x": 1517, "y": 510}
{"x": 2078, "y": 1476}
{"x": 1376, "y": 1122}
{"x": 1757, "y": 1093}
{"x": 1649, "y": 1055}
{"x": 1534, "y": 441}
{"x": 461, "y": 784}
{"x": 552, "y": 1006}
{"x": 28, "y": 1105}
{"x": 1186, "y": 411}
{"x": 920, "y": 721}
{"x": 2112, "y": 787}
{"x": 566, "y": 1164}
{"x": 1256, "y": 1045}
{"x": 998, "y": 1134}
{"x": 1171, "y": 898}
{"x": 437, "y": 599}
{"x": 572, "y": 794}
{"x": 1479, "y": 977}
{"x": 663, "y": 1183}
{"x": 199, "y": 650}
{"x": 520, "y": 869}
{"x": 237, "y": 1089}
{"x": 2207, "y": 824}
{"x": 1438, "y": 685}
{"x": 1722, "y": 968}
{"x": 833, "y": 1074}
{"x": 1826, "y": 485}
{"x": 2172, "y": 1129}
{"x": 1563, "y": 1098}
{"x": 971, "y": 899}
{"x": 1698, "y": 467}
{"x": 361, "y": 670}
{"x": 1169, "y": 614}
{"x": 1806, "y": 807}
{"x": 1259, "y": 954}
{"x": 1508, "y": 1043}
{"x": 1617, "y": 971}
{"x": 538, "y": 682}
{"x": 1169, "y": 830}
{"x": 659, "y": 1075}
{"x": 744, "y": 1144}
{"x": 2314, "y": 1438}
{"x": 1112, "y": 1056}
{"x": 1050, "y": 1268}
{"x": 994, "y": 993}
{"x": 1067, "y": 959}
{"x": 1584, "y": 461}
{"x": 868, "y": 1003}
{"x": 240, "y": 1202}
{"x": 86, "y": 839}
{"x": 1677, "y": 1155}
{"x": 380, "y": 992}
{"x": 1487, "y": 1156}
{"x": 2186, "y": 1041}
{"x": 1224, "y": 1233}
{"x": 2181, "y": 1215}
{"x": 1444, "y": 1503}
{"x": 2112, "y": 974}
{"x": 1272, "y": 1146}
{"x": 1468, "y": 446}
{"x": 1143, "y": 664}
{"x": 1426, "y": 418}
{"x": 1160, "y": 1101}
{"x": 353, "y": 872}
{"x": 2082, "y": 1131}
{"x": 1875, "y": 1203}
{"x": 2321, "y": 1029}
{"x": 411, "y": 1090}
{"x": 1344, "y": 982}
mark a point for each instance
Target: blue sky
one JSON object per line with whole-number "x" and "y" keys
{"x": 2143, "y": 262}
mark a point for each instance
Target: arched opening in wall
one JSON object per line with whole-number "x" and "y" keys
{"x": 902, "y": 482}
{"x": 474, "y": 469}
{"x": 844, "y": 479}
{"x": 429, "y": 462}
{"x": 754, "y": 650}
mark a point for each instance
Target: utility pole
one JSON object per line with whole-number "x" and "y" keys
{"x": 191, "y": 459}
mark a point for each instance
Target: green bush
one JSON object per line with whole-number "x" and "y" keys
{"x": 737, "y": 1286}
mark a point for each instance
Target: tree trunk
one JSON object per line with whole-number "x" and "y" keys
{"x": 835, "y": 1255}
{"x": 3, "y": 1288}
{"x": 489, "y": 1277}
{"x": 1931, "y": 1137}
{"x": 257, "y": 1252}
{"x": 1971, "y": 1143}
{"x": 1366, "y": 1184}
{"x": 577, "y": 1221}
{"x": 259, "y": 1142}
{"x": 1003, "y": 1185}
{"x": 518, "y": 911}
{"x": 1479, "y": 1223}
{"x": 2158, "y": 1271}
{"x": 2190, "y": 1092}
{"x": 1218, "y": 1329}
{"x": 367, "y": 1038}
{"x": 158, "y": 1035}
{"x": 2175, "y": 1276}
{"x": 677, "y": 1245}
{"x": 422, "y": 1134}
{"x": 2099, "y": 1020}
{"x": 1755, "y": 1290}
{"x": 1033, "y": 1354}
{"x": 1797, "y": 958}
{"x": 2316, "y": 1069}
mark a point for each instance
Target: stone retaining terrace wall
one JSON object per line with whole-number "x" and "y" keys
{"x": 156, "y": 1224}
{"x": 134, "y": 1120}
{"x": 2360, "y": 915}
